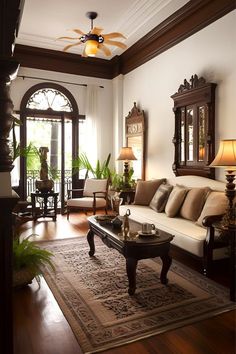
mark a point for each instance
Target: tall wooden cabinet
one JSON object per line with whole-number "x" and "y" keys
{"x": 194, "y": 137}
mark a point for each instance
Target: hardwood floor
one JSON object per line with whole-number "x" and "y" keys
{"x": 41, "y": 328}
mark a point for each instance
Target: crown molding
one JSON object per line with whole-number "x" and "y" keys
{"x": 53, "y": 60}
{"x": 189, "y": 19}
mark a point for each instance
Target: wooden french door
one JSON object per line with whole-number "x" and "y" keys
{"x": 60, "y": 133}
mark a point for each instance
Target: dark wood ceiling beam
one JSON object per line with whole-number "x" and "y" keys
{"x": 47, "y": 59}
{"x": 189, "y": 19}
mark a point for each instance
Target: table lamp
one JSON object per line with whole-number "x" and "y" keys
{"x": 126, "y": 155}
{"x": 226, "y": 157}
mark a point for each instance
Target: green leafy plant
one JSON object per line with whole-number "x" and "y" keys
{"x": 117, "y": 180}
{"x": 28, "y": 256}
{"x": 101, "y": 170}
{"x": 16, "y": 149}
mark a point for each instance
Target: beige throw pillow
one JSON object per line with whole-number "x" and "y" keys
{"x": 216, "y": 204}
{"x": 145, "y": 191}
{"x": 193, "y": 203}
{"x": 175, "y": 200}
{"x": 160, "y": 198}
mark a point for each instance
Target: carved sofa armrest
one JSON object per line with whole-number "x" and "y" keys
{"x": 209, "y": 222}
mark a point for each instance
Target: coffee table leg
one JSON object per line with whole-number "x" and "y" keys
{"x": 90, "y": 239}
{"x": 131, "y": 265}
{"x": 166, "y": 263}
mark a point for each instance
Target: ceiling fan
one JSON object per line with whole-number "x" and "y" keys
{"x": 94, "y": 40}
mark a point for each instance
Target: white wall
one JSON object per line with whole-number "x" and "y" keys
{"x": 20, "y": 86}
{"x": 210, "y": 53}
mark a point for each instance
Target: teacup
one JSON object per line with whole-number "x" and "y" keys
{"x": 148, "y": 228}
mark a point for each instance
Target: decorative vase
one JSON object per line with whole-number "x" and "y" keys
{"x": 45, "y": 185}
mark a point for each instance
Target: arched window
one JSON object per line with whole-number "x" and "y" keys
{"x": 50, "y": 117}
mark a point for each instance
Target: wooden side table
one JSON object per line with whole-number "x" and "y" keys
{"x": 232, "y": 237}
{"x": 47, "y": 202}
{"x": 230, "y": 233}
{"x": 127, "y": 195}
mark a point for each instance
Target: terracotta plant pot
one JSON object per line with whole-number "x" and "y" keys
{"x": 22, "y": 277}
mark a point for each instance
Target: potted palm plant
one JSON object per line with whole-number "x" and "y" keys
{"x": 29, "y": 261}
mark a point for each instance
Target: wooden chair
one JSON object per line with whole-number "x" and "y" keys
{"x": 93, "y": 196}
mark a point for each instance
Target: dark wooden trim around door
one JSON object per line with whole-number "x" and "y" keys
{"x": 189, "y": 19}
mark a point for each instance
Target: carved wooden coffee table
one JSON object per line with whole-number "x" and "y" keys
{"x": 133, "y": 249}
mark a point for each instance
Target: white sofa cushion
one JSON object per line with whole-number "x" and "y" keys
{"x": 197, "y": 182}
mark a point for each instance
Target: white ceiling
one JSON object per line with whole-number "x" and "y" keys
{"x": 45, "y": 20}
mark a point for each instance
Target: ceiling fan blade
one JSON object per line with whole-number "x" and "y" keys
{"x": 96, "y": 30}
{"x": 68, "y": 38}
{"x": 104, "y": 49}
{"x": 76, "y": 30}
{"x": 71, "y": 45}
{"x": 113, "y": 35}
{"x": 117, "y": 44}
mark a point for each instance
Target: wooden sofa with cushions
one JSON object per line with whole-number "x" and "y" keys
{"x": 186, "y": 212}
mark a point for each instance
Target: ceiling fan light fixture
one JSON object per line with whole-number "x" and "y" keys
{"x": 95, "y": 41}
{"x": 91, "y": 48}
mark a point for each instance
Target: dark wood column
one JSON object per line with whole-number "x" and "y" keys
{"x": 8, "y": 70}
{"x": 10, "y": 16}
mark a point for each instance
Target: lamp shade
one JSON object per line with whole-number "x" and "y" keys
{"x": 91, "y": 47}
{"x": 226, "y": 155}
{"x": 126, "y": 154}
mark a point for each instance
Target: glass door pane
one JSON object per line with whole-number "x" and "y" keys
{"x": 189, "y": 134}
{"x": 67, "y": 156}
{"x": 201, "y": 133}
{"x": 42, "y": 132}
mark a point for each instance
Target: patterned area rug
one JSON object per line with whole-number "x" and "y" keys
{"x": 92, "y": 293}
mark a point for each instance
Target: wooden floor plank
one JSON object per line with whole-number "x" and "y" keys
{"x": 41, "y": 328}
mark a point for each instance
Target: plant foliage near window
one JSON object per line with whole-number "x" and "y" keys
{"x": 101, "y": 170}
{"x": 16, "y": 148}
